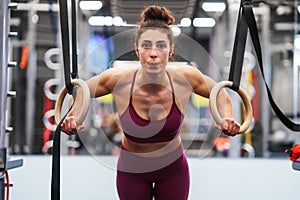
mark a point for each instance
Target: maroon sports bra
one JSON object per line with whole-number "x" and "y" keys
{"x": 142, "y": 130}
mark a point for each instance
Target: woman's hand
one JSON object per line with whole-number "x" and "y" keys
{"x": 70, "y": 127}
{"x": 229, "y": 126}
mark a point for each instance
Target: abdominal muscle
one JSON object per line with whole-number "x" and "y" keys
{"x": 151, "y": 149}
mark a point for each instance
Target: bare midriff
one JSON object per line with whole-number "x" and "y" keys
{"x": 151, "y": 149}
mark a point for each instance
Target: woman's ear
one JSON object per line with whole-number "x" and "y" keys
{"x": 171, "y": 53}
{"x": 136, "y": 50}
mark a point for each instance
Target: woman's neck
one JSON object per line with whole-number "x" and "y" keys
{"x": 152, "y": 82}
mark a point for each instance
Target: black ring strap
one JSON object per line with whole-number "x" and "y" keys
{"x": 247, "y": 22}
{"x": 65, "y": 32}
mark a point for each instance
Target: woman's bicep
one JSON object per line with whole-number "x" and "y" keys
{"x": 99, "y": 85}
{"x": 201, "y": 83}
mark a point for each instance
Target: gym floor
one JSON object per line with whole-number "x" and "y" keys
{"x": 93, "y": 178}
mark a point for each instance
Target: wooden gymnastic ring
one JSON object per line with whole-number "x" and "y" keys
{"x": 214, "y": 109}
{"x": 85, "y": 101}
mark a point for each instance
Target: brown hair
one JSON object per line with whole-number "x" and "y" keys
{"x": 154, "y": 17}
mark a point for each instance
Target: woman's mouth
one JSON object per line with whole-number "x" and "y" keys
{"x": 152, "y": 64}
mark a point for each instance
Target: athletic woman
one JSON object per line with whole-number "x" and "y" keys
{"x": 150, "y": 101}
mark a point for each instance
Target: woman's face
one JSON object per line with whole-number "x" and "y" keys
{"x": 154, "y": 50}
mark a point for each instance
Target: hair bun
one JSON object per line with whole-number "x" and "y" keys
{"x": 157, "y": 13}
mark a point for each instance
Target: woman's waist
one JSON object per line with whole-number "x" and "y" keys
{"x": 151, "y": 149}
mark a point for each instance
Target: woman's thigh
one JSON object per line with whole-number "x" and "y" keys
{"x": 132, "y": 186}
{"x": 174, "y": 182}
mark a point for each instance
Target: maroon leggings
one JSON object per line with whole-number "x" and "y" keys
{"x": 171, "y": 181}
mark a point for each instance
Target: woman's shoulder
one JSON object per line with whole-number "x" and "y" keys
{"x": 118, "y": 76}
{"x": 184, "y": 70}
{"x": 117, "y": 73}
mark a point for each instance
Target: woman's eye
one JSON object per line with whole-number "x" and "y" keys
{"x": 146, "y": 46}
{"x": 161, "y": 46}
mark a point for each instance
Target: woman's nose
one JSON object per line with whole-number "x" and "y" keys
{"x": 153, "y": 52}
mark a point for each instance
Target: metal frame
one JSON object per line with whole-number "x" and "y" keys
{"x": 4, "y": 35}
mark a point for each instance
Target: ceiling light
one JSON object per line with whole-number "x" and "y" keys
{"x": 213, "y": 6}
{"x": 204, "y": 22}
{"x": 90, "y": 5}
{"x": 105, "y": 21}
{"x": 117, "y": 21}
{"x": 97, "y": 21}
{"x": 176, "y": 31}
{"x": 108, "y": 21}
{"x": 185, "y": 22}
